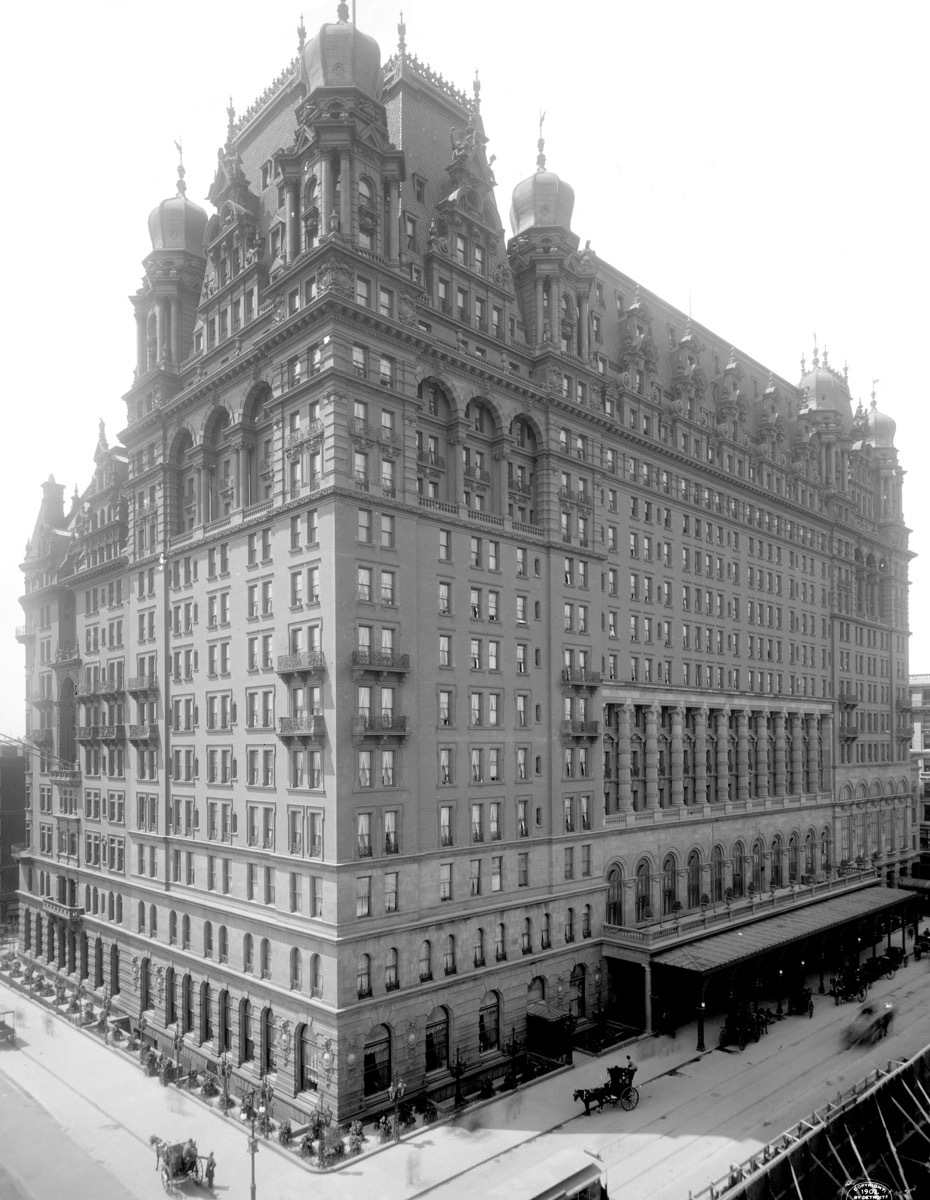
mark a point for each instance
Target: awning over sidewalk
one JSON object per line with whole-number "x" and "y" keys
{"x": 911, "y": 884}
{"x": 719, "y": 950}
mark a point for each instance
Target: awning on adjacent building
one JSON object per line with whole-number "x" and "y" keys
{"x": 719, "y": 950}
{"x": 910, "y": 884}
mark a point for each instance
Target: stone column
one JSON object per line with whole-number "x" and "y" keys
{"x": 326, "y": 194}
{"x": 797, "y": 756}
{"x": 174, "y": 309}
{"x": 160, "y": 330}
{"x": 346, "y": 193}
{"x": 555, "y": 310}
{"x": 652, "y": 757}
{"x": 700, "y": 756}
{"x": 292, "y": 204}
{"x": 583, "y": 318}
{"x": 780, "y": 752}
{"x": 394, "y": 211}
{"x": 499, "y": 481}
{"x": 813, "y": 753}
{"x": 624, "y": 790}
{"x": 141, "y": 364}
{"x": 723, "y": 772}
{"x": 455, "y": 442}
{"x": 245, "y": 498}
{"x": 678, "y": 756}
{"x": 742, "y": 754}
{"x": 826, "y": 750}
{"x": 762, "y": 753}
{"x": 540, "y": 318}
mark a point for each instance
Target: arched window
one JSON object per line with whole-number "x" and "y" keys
{"x": 145, "y": 985}
{"x": 206, "y": 1013}
{"x": 537, "y": 990}
{"x": 306, "y": 1059}
{"x": 527, "y": 940}
{"x": 576, "y": 991}
{"x": 316, "y": 976}
{"x": 426, "y": 962}
{"x": 224, "y": 1014}
{"x": 391, "y": 979}
{"x": 794, "y": 864}
{"x": 223, "y": 944}
{"x": 114, "y": 970}
{"x": 643, "y": 891}
{"x": 669, "y": 885}
{"x": 266, "y": 958}
{"x": 758, "y": 865}
{"x": 826, "y": 858}
{"x": 437, "y": 1040}
{"x": 297, "y": 979}
{"x": 448, "y": 957}
{"x": 248, "y": 962}
{"x": 694, "y": 879}
{"x": 376, "y": 1061}
{"x": 98, "y": 955}
{"x": 185, "y": 932}
{"x": 570, "y": 925}
{"x": 119, "y": 909}
{"x": 777, "y": 846}
{"x": 500, "y": 943}
{"x": 171, "y": 999}
{"x": 716, "y": 874}
{"x": 172, "y": 928}
{"x": 363, "y": 976}
{"x": 109, "y": 906}
{"x": 489, "y": 1023}
{"x": 140, "y": 921}
{"x": 586, "y": 921}
{"x": 187, "y": 1004}
{"x": 546, "y": 939}
{"x": 809, "y": 853}
{"x": 478, "y": 948}
{"x": 268, "y": 1063}
{"x": 207, "y": 939}
{"x": 739, "y": 855}
{"x": 614, "y": 914}
{"x": 246, "y": 1033}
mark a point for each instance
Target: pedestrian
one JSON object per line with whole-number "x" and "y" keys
{"x": 209, "y": 1169}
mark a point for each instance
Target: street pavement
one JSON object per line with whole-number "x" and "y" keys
{"x": 104, "y": 1104}
{"x": 698, "y": 1113}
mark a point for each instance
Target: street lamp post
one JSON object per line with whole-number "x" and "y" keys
{"x": 178, "y": 1043}
{"x": 253, "y": 1150}
{"x": 265, "y": 1096}
{"x": 457, "y": 1070}
{"x": 106, "y": 1015}
{"x": 396, "y": 1092}
{"x": 142, "y": 1025}
{"x": 225, "y": 1072}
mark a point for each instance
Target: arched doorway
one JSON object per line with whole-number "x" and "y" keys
{"x": 98, "y": 963}
{"x": 114, "y": 969}
{"x": 437, "y": 1040}
{"x": 615, "y": 896}
{"x": 576, "y": 991}
{"x": 376, "y": 1061}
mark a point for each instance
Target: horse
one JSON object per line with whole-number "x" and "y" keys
{"x": 589, "y": 1096}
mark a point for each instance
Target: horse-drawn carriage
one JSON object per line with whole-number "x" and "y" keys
{"x": 921, "y": 944}
{"x": 742, "y": 1025}
{"x": 178, "y": 1162}
{"x": 849, "y": 984}
{"x": 8, "y": 1027}
{"x": 619, "y": 1086}
{"x": 800, "y": 1001}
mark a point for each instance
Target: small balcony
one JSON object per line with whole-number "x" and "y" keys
{"x": 66, "y": 775}
{"x": 87, "y": 733}
{"x": 142, "y": 683}
{"x": 429, "y": 458}
{"x": 66, "y": 656}
{"x": 42, "y": 737}
{"x": 24, "y": 634}
{"x": 581, "y": 677}
{"x": 303, "y": 662}
{"x": 111, "y": 733}
{"x": 386, "y": 724}
{"x": 20, "y": 850}
{"x": 66, "y": 912}
{"x": 109, "y": 687}
{"x": 306, "y": 725}
{"x": 143, "y": 733}
{"x": 385, "y": 662}
{"x": 580, "y": 729}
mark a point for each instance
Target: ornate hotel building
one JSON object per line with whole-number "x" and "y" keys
{"x": 452, "y": 619}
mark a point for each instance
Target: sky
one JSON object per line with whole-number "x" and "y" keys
{"x": 765, "y": 165}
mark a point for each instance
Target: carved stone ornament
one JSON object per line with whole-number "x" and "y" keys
{"x": 160, "y": 982}
{"x": 411, "y": 1038}
{"x": 328, "y": 1058}
{"x": 135, "y": 972}
{"x": 350, "y": 1057}
{"x": 284, "y": 1041}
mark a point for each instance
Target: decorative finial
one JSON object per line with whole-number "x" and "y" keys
{"x": 401, "y": 35}
{"x": 803, "y": 365}
{"x": 182, "y": 186}
{"x": 231, "y": 123}
{"x": 476, "y": 88}
{"x": 342, "y": 13}
{"x": 846, "y": 371}
{"x": 874, "y": 381}
{"x": 815, "y": 357}
{"x": 301, "y": 35}
{"x": 826, "y": 362}
{"x": 541, "y": 145}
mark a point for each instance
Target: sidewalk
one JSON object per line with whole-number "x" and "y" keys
{"x": 103, "y": 1100}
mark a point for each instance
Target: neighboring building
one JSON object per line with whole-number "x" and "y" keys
{"x": 452, "y": 615}
{"x": 920, "y": 758}
{"x": 12, "y": 832}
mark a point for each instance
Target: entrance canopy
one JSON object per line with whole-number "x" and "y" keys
{"x": 720, "y": 950}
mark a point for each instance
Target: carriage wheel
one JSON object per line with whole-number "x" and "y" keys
{"x": 861, "y": 994}
{"x": 629, "y": 1099}
{"x": 197, "y": 1172}
{"x": 723, "y": 1037}
{"x": 890, "y": 973}
{"x": 810, "y": 1008}
{"x": 166, "y": 1180}
{"x": 742, "y": 1041}
{"x": 904, "y": 960}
